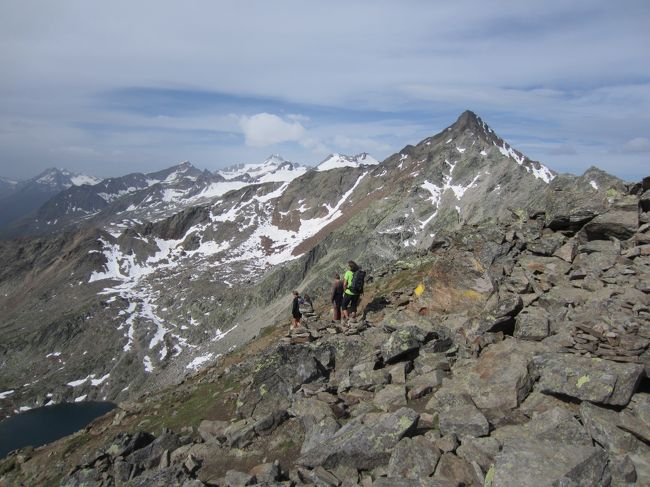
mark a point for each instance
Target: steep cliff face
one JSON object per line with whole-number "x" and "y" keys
{"x": 121, "y": 311}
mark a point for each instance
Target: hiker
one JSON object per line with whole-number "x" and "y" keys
{"x": 336, "y": 297}
{"x": 295, "y": 311}
{"x": 353, "y": 280}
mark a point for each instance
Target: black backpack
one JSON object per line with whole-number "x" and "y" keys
{"x": 357, "y": 282}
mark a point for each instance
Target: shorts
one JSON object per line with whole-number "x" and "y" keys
{"x": 350, "y": 300}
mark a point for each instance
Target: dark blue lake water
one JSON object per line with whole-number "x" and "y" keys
{"x": 44, "y": 425}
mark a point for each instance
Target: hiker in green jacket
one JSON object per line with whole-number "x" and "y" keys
{"x": 350, "y": 299}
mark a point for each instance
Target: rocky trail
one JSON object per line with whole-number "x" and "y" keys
{"x": 514, "y": 355}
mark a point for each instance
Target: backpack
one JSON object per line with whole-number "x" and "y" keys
{"x": 357, "y": 282}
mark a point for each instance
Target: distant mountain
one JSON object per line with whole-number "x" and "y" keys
{"x": 7, "y": 186}
{"x": 335, "y": 161}
{"x": 27, "y": 196}
{"x": 273, "y": 169}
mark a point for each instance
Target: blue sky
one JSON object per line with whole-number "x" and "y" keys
{"x": 115, "y": 87}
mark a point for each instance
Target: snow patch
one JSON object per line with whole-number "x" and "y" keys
{"x": 198, "y": 361}
{"x": 6, "y": 394}
{"x": 77, "y": 383}
{"x": 148, "y": 366}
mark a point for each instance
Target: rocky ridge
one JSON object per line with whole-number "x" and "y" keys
{"x": 506, "y": 355}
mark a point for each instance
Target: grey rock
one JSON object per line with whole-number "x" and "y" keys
{"x": 463, "y": 420}
{"x": 234, "y": 478}
{"x": 619, "y": 224}
{"x": 568, "y": 251}
{"x": 318, "y": 431}
{"x": 588, "y": 379}
{"x": 368, "y": 380}
{"x": 364, "y": 442}
{"x": 391, "y": 397}
{"x": 124, "y": 444}
{"x": 480, "y": 450}
{"x": 447, "y": 443}
{"x": 622, "y": 469}
{"x": 546, "y": 245}
{"x": 403, "y": 341}
{"x": 398, "y": 373}
{"x": 601, "y": 425}
{"x": 413, "y": 458}
{"x": 212, "y": 430}
{"x": 149, "y": 456}
{"x": 266, "y": 472}
{"x": 640, "y": 406}
{"x": 525, "y": 463}
{"x": 499, "y": 380}
{"x": 430, "y": 361}
{"x": 279, "y": 374}
{"x": 532, "y": 324}
{"x": 556, "y": 424}
{"x": 457, "y": 470}
{"x": 317, "y": 409}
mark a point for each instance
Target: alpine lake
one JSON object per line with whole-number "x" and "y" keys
{"x": 39, "y": 426}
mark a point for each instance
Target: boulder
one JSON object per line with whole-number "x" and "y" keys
{"x": 480, "y": 450}
{"x": 457, "y": 470}
{"x": 391, "y": 397}
{"x": 463, "y": 420}
{"x": 364, "y": 442}
{"x": 498, "y": 380}
{"x": 365, "y": 379}
{"x": 617, "y": 223}
{"x": 588, "y": 379}
{"x": 568, "y": 251}
{"x": 546, "y": 245}
{"x": 429, "y": 361}
{"x": 317, "y": 431}
{"x": 149, "y": 456}
{"x": 541, "y": 463}
{"x": 532, "y": 324}
{"x": 234, "y": 478}
{"x": 124, "y": 443}
{"x": 601, "y": 424}
{"x": 278, "y": 375}
{"x": 413, "y": 458}
{"x": 403, "y": 341}
{"x": 557, "y": 425}
{"x": 570, "y": 220}
{"x": 213, "y": 430}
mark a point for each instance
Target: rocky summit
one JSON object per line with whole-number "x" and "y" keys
{"x": 503, "y": 337}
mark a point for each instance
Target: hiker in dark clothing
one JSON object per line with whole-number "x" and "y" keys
{"x": 336, "y": 297}
{"x": 295, "y": 311}
{"x": 350, "y": 299}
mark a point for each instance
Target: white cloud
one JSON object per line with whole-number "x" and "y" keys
{"x": 637, "y": 145}
{"x": 267, "y": 129}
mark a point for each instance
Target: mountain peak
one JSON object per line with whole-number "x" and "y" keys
{"x": 468, "y": 120}
{"x": 274, "y": 159}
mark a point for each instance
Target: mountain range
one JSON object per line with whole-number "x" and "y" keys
{"x": 19, "y": 199}
{"x": 61, "y": 200}
{"x": 159, "y": 272}
{"x": 506, "y": 319}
